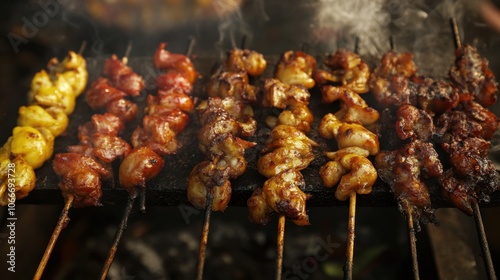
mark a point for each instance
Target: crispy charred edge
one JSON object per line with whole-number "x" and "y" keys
{"x": 457, "y": 107}
{"x": 224, "y": 116}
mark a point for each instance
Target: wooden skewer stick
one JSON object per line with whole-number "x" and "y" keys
{"x": 351, "y": 233}
{"x": 413, "y": 242}
{"x": 82, "y": 47}
{"x": 409, "y": 212}
{"x": 61, "y": 224}
{"x": 204, "y": 236}
{"x": 488, "y": 262}
{"x": 118, "y": 235}
{"x": 490, "y": 270}
{"x": 456, "y": 34}
{"x": 280, "y": 244}
{"x": 351, "y": 223}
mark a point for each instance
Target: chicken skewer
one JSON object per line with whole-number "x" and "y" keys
{"x": 288, "y": 150}
{"x": 51, "y": 98}
{"x": 348, "y": 70}
{"x": 83, "y": 187}
{"x": 64, "y": 214}
{"x": 224, "y": 116}
{"x": 475, "y": 205}
{"x": 166, "y": 116}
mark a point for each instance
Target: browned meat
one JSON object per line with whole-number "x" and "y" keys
{"x": 389, "y": 81}
{"x": 80, "y": 177}
{"x": 404, "y": 170}
{"x": 281, "y": 194}
{"x": 251, "y": 62}
{"x": 434, "y": 96}
{"x": 412, "y": 124}
{"x": 141, "y": 165}
{"x": 471, "y": 75}
{"x": 179, "y": 63}
{"x": 174, "y": 82}
{"x": 122, "y": 76}
{"x": 346, "y": 69}
{"x": 296, "y": 68}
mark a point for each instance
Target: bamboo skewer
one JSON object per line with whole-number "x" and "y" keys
{"x": 485, "y": 250}
{"x": 351, "y": 223}
{"x": 204, "y": 236}
{"x": 409, "y": 213}
{"x": 280, "y": 244}
{"x": 61, "y": 224}
{"x": 351, "y": 233}
{"x": 118, "y": 235}
{"x": 490, "y": 270}
{"x": 413, "y": 242}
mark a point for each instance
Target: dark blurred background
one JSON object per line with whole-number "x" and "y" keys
{"x": 163, "y": 243}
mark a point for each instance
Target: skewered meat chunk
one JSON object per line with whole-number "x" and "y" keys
{"x": 434, "y": 96}
{"x": 102, "y": 94}
{"x": 99, "y": 138}
{"x": 354, "y": 109}
{"x": 139, "y": 166}
{"x": 293, "y": 98}
{"x": 48, "y": 93}
{"x": 206, "y": 176}
{"x": 165, "y": 60}
{"x": 251, "y": 62}
{"x": 73, "y": 69}
{"x": 23, "y": 173}
{"x": 81, "y": 177}
{"x": 352, "y": 169}
{"x": 345, "y": 68}
{"x": 412, "y": 123}
{"x": 279, "y": 95}
{"x": 404, "y": 170}
{"x": 281, "y": 194}
{"x": 226, "y": 84}
{"x": 156, "y": 134}
{"x": 238, "y": 109}
{"x": 174, "y": 82}
{"x": 348, "y": 135}
{"x": 53, "y": 118}
{"x": 286, "y": 149}
{"x": 472, "y": 75}
{"x": 295, "y": 68}
{"x": 122, "y": 76}
{"x": 389, "y": 81}
{"x": 35, "y": 146}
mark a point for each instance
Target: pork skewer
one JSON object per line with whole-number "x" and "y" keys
{"x": 88, "y": 162}
{"x": 224, "y": 116}
{"x": 490, "y": 270}
{"x": 166, "y": 116}
{"x": 400, "y": 168}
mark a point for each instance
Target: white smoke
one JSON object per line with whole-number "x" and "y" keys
{"x": 344, "y": 21}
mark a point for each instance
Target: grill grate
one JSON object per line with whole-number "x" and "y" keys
{"x": 169, "y": 187}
